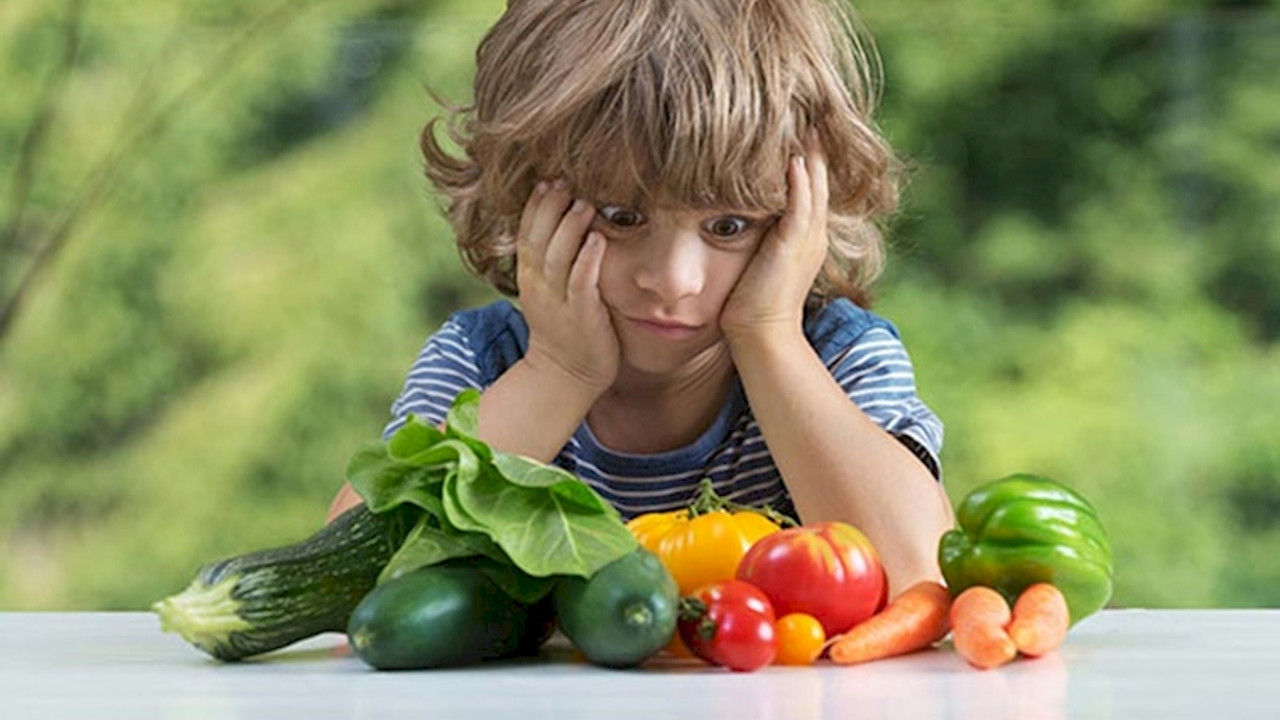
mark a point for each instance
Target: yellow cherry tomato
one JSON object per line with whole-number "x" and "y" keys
{"x": 800, "y": 639}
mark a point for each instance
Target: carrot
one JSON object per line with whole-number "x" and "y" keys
{"x": 1040, "y": 620}
{"x": 914, "y": 620}
{"x": 979, "y": 618}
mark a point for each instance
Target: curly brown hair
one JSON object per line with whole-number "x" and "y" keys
{"x": 673, "y": 103}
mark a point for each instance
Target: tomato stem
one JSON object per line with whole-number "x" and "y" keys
{"x": 694, "y": 610}
{"x": 691, "y": 608}
{"x": 706, "y": 501}
{"x": 709, "y": 501}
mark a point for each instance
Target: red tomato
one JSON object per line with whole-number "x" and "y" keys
{"x": 828, "y": 570}
{"x": 729, "y": 623}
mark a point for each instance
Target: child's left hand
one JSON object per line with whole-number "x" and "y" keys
{"x": 769, "y": 298}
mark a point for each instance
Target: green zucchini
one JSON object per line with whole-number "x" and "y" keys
{"x": 265, "y": 600}
{"x": 440, "y": 616}
{"x": 621, "y": 615}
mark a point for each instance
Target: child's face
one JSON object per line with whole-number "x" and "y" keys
{"x": 666, "y": 276}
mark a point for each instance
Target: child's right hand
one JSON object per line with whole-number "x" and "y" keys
{"x": 558, "y": 273}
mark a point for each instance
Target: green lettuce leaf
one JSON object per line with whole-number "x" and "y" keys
{"x": 384, "y": 482}
{"x": 533, "y": 474}
{"x": 540, "y": 530}
{"x": 528, "y": 521}
{"x": 412, "y": 438}
{"x": 429, "y": 543}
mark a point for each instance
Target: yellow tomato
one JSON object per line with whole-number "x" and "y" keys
{"x": 648, "y": 528}
{"x": 701, "y": 549}
{"x": 800, "y": 639}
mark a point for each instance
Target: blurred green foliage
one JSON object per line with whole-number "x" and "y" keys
{"x": 218, "y": 257}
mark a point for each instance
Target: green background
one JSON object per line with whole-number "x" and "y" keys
{"x": 218, "y": 257}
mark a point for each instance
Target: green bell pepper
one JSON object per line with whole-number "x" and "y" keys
{"x": 1024, "y": 529}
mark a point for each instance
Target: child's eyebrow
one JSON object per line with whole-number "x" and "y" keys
{"x": 598, "y": 196}
{"x": 753, "y": 213}
{"x": 759, "y": 213}
{"x": 639, "y": 204}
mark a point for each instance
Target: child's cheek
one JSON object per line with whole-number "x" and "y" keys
{"x": 612, "y": 274}
{"x": 735, "y": 267}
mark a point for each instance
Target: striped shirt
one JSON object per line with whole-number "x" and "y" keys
{"x": 862, "y": 351}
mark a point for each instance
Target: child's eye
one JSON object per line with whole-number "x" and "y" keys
{"x": 728, "y": 226}
{"x": 620, "y": 216}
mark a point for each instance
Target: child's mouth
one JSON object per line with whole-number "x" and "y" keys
{"x": 665, "y": 329}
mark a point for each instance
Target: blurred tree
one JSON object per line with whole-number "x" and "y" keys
{"x": 231, "y": 311}
{"x": 1094, "y": 210}
{"x": 226, "y": 255}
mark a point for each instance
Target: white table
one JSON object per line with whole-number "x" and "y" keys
{"x": 1118, "y": 664}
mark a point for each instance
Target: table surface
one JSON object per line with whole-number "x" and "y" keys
{"x": 1116, "y": 664}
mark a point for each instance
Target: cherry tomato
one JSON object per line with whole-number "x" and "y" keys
{"x": 828, "y": 570}
{"x": 800, "y": 639}
{"x": 729, "y": 623}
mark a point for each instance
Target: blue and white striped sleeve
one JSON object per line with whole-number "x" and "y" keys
{"x": 876, "y": 373}
{"x": 444, "y": 368}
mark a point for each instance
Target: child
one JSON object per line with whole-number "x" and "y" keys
{"x": 682, "y": 196}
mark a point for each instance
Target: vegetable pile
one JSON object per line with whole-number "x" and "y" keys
{"x": 462, "y": 553}
{"x": 755, "y": 593}
{"x": 1029, "y": 559}
{"x": 1024, "y": 529}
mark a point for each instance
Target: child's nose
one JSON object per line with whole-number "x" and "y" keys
{"x": 673, "y": 267}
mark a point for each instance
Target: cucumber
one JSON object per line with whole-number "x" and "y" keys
{"x": 621, "y": 615}
{"x": 265, "y": 600}
{"x": 440, "y": 616}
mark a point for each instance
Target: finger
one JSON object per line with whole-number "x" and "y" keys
{"x": 816, "y": 163}
{"x": 584, "y": 276}
{"x": 523, "y": 256}
{"x": 546, "y": 217}
{"x": 794, "y": 223}
{"x": 531, "y": 207}
{"x": 566, "y": 243}
{"x": 813, "y": 143}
